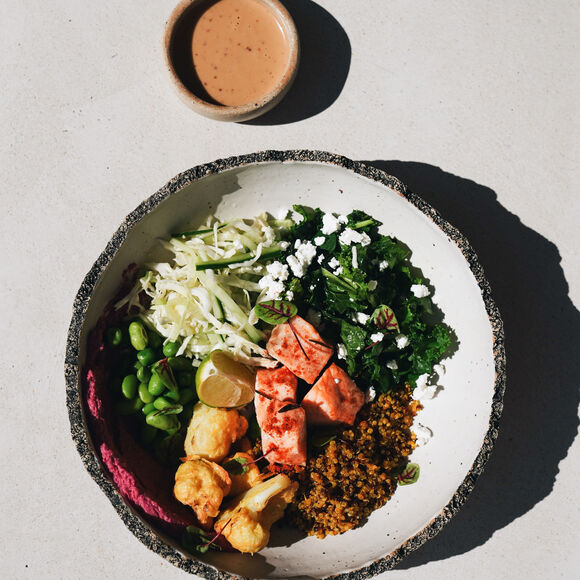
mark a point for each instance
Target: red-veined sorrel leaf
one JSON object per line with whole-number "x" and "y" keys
{"x": 162, "y": 369}
{"x": 275, "y": 311}
{"x": 385, "y": 319}
{"x": 410, "y": 474}
{"x": 236, "y": 466}
{"x": 288, "y": 407}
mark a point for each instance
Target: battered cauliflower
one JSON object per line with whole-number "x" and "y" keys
{"x": 244, "y": 481}
{"x": 246, "y": 522}
{"x": 212, "y": 431}
{"x": 202, "y": 485}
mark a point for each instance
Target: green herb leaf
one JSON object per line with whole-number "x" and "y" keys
{"x": 172, "y": 410}
{"x": 322, "y": 437}
{"x": 195, "y": 539}
{"x": 275, "y": 311}
{"x": 237, "y": 466}
{"x": 162, "y": 369}
{"x": 410, "y": 474}
{"x": 385, "y": 319}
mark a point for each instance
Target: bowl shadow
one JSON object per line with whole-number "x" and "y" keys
{"x": 542, "y": 341}
{"x": 323, "y": 68}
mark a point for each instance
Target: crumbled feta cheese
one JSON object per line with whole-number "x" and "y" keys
{"x": 296, "y": 266}
{"x": 350, "y": 236}
{"x": 306, "y": 253}
{"x": 377, "y": 336}
{"x": 354, "y": 258}
{"x": 330, "y": 224}
{"x": 270, "y": 236}
{"x": 319, "y": 240}
{"x": 321, "y": 258}
{"x": 273, "y": 288}
{"x": 425, "y": 392}
{"x": 296, "y": 217}
{"x": 342, "y": 219}
{"x": 297, "y": 243}
{"x": 423, "y": 434}
{"x": 284, "y": 245}
{"x": 420, "y": 290}
{"x": 278, "y": 271}
{"x": 422, "y": 380}
{"x": 338, "y": 272}
{"x": 439, "y": 369}
{"x": 333, "y": 263}
{"x": 341, "y": 350}
{"x": 313, "y": 317}
{"x": 401, "y": 340}
{"x": 362, "y": 318}
{"x": 290, "y": 295}
{"x": 337, "y": 381}
{"x": 282, "y": 213}
{"x": 392, "y": 364}
{"x": 372, "y": 285}
{"x": 383, "y": 265}
{"x": 370, "y": 395}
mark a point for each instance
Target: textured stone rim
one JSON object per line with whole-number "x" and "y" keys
{"x": 79, "y": 429}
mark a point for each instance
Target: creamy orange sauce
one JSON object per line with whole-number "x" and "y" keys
{"x": 240, "y": 51}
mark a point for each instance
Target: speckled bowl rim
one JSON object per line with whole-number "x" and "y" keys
{"x": 79, "y": 429}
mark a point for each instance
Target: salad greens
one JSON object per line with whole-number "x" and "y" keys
{"x": 371, "y": 300}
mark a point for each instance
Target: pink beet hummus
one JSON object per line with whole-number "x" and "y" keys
{"x": 139, "y": 478}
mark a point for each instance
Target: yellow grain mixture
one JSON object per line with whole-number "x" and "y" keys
{"x": 356, "y": 473}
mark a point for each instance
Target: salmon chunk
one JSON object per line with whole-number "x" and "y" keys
{"x": 284, "y": 433}
{"x": 298, "y": 346}
{"x": 334, "y": 398}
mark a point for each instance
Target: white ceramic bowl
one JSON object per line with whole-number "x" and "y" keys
{"x": 463, "y": 417}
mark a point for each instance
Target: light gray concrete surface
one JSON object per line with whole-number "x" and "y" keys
{"x": 474, "y": 104}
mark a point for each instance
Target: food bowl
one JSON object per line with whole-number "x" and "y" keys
{"x": 463, "y": 417}
{"x": 233, "y": 56}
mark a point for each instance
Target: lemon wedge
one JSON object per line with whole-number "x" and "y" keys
{"x": 221, "y": 381}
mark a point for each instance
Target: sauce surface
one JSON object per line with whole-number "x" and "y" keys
{"x": 240, "y": 51}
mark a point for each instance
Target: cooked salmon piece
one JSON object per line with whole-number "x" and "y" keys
{"x": 298, "y": 346}
{"x": 334, "y": 398}
{"x": 284, "y": 433}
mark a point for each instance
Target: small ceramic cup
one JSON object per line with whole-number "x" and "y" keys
{"x": 178, "y": 38}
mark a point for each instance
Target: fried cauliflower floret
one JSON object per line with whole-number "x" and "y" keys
{"x": 244, "y": 481}
{"x": 246, "y": 522}
{"x": 212, "y": 431}
{"x": 201, "y": 484}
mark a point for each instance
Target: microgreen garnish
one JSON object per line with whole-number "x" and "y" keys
{"x": 410, "y": 474}
{"x": 263, "y": 395}
{"x": 237, "y": 466}
{"x": 385, "y": 319}
{"x": 323, "y": 437}
{"x": 171, "y": 410}
{"x": 298, "y": 340}
{"x": 162, "y": 369}
{"x": 275, "y": 311}
{"x": 320, "y": 343}
{"x": 288, "y": 407}
{"x": 195, "y": 539}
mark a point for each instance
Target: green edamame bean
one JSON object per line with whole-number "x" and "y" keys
{"x": 175, "y": 429}
{"x": 148, "y": 408}
{"x": 138, "y": 335}
{"x": 129, "y": 386}
{"x": 128, "y": 406}
{"x": 114, "y": 336}
{"x": 180, "y": 363}
{"x": 186, "y": 396}
{"x": 172, "y": 396}
{"x": 143, "y": 374}
{"x": 146, "y": 356}
{"x": 155, "y": 340}
{"x": 163, "y": 422}
{"x": 162, "y": 403}
{"x": 156, "y": 386}
{"x": 170, "y": 349}
{"x": 185, "y": 379}
{"x": 144, "y": 394}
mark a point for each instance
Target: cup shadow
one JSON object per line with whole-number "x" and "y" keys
{"x": 323, "y": 69}
{"x": 542, "y": 341}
